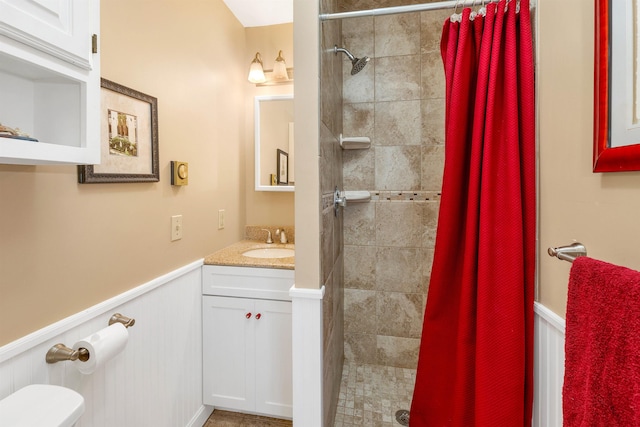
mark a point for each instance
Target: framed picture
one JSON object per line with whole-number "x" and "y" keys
{"x": 128, "y": 137}
{"x": 283, "y": 168}
{"x": 616, "y": 146}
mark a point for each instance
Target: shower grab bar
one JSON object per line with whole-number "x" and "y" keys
{"x": 402, "y": 9}
{"x": 568, "y": 253}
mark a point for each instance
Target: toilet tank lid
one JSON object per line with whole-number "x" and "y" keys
{"x": 41, "y": 405}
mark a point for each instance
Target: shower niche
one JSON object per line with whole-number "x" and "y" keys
{"x": 274, "y": 145}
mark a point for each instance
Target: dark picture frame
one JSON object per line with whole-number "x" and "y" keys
{"x": 128, "y": 137}
{"x": 282, "y": 164}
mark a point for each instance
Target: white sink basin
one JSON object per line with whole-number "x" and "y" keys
{"x": 269, "y": 253}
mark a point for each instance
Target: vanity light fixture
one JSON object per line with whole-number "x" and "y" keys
{"x": 280, "y": 68}
{"x": 256, "y": 72}
{"x": 279, "y": 75}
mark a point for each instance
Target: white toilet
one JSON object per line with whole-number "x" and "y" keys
{"x": 41, "y": 405}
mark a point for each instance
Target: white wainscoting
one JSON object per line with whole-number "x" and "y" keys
{"x": 155, "y": 381}
{"x": 548, "y": 367}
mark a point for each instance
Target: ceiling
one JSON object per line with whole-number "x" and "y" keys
{"x": 257, "y": 13}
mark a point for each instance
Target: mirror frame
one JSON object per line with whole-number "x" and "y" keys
{"x": 256, "y": 138}
{"x": 605, "y": 157}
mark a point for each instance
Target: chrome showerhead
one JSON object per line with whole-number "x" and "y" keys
{"x": 357, "y": 64}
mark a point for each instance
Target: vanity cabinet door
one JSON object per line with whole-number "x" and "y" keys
{"x": 228, "y": 352}
{"x": 274, "y": 381}
{"x": 247, "y": 355}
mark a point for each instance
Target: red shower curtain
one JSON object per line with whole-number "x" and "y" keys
{"x": 476, "y": 356}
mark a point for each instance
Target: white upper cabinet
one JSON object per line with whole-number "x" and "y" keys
{"x": 50, "y": 81}
{"x": 61, "y": 28}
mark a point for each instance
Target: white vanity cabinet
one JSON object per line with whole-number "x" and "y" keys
{"x": 50, "y": 81}
{"x": 247, "y": 358}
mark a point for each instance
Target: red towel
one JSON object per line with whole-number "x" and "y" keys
{"x": 602, "y": 347}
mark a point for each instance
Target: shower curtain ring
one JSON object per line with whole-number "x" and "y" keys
{"x": 455, "y": 9}
{"x": 473, "y": 13}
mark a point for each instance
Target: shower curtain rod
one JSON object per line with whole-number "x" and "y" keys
{"x": 403, "y": 9}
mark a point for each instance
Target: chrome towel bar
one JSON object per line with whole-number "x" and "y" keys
{"x": 568, "y": 253}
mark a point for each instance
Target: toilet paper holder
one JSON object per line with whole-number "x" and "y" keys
{"x": 60, "y": 352}
{"x": 119, "y": 318}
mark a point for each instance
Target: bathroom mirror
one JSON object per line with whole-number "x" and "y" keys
{"x": 273, "y": 137}
{"x": 617, "y": 86}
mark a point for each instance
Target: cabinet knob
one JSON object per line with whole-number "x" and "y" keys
{"x": 258, "y": 316}
{"x": 248, "y": 316}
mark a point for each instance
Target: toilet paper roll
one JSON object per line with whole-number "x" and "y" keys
{"x": 102, "y": 346}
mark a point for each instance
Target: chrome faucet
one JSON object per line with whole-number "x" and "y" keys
{"x": 283, "y": 236}
{"x": 269, "y": 240}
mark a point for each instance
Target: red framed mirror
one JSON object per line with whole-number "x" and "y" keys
{"x": 616, "y": 113}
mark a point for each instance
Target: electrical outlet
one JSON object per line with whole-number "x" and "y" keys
{"x": 176, "y": 227}
{"x": 220, "y": 219}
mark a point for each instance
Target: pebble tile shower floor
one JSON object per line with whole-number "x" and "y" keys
{"x": 370, "y": 395}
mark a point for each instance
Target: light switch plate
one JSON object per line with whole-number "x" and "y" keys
{"x": 176, "y": 227}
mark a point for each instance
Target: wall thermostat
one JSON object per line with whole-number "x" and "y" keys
{"x": 179, "y": 173}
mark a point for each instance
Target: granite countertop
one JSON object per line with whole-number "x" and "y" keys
{"x": 232, "y": 255}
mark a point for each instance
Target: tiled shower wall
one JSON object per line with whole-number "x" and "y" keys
{"x": 397, "y": 101}
{"x": 330, "y": 158}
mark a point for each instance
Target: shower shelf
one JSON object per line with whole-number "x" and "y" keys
{"x": 357, "y": 196}
{"x": 355, "y": 142}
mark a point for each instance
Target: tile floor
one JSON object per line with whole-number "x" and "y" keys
{"x": 370, "y": 395}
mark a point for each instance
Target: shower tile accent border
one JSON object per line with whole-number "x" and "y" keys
{"x": 407, "y": 196}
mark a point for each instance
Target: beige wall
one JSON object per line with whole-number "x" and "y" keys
{"x": 599, "y": 210}
{"x": 266, "y": 208}
{"x": 64, "y": 246}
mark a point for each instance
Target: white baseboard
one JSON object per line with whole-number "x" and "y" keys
{"x": 200, "y": 417}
